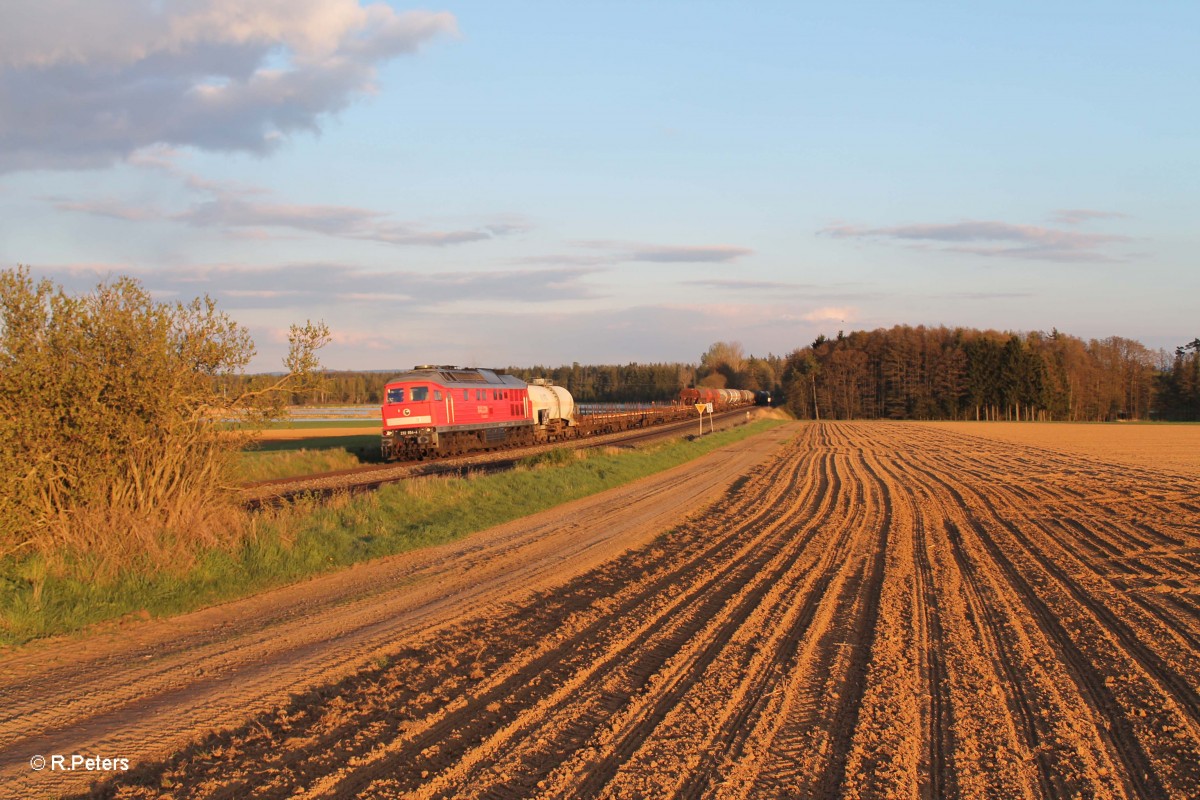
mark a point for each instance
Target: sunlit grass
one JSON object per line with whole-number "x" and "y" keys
{"x": 258, "y": 465}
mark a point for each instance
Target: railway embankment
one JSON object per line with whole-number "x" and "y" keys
{"x": 326, "y": 531}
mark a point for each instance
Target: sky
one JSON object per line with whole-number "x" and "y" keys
{"x": 522, "y": 183}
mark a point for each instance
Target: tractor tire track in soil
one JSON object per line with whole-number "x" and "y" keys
{"x": 871, "y": 610}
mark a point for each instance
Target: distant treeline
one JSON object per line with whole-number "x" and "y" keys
{"x": 586, "y": 383}
{"x": 902, "y": 372}
{"x": 959, "y": 373}
{"x": 606, "y": 383}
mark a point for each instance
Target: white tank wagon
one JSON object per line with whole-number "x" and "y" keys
{"x": 551, "y": 407}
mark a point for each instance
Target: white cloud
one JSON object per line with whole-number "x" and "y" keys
{"x": 213, "y": 74}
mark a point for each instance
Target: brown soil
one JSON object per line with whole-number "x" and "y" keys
{"x": 871, "y": 610}
{"x": 1161, "y": 445}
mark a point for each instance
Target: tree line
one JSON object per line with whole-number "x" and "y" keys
{"x": 907, "y": 372}
{"x": 903, "y": 372}
{"x": 587, "y": 383}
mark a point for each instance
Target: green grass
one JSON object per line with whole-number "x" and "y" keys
{"x": 284, "y": 458}
{"x": 271, "y": 465}
{"x": 373, "y": 423}
{"x": 353, "y": 443}
{"x": 310, "y": 538}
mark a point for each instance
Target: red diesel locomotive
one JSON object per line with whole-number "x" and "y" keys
{"x": 442, "y": 410}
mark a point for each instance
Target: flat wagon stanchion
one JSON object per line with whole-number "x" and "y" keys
{"x": 596, "y": 420}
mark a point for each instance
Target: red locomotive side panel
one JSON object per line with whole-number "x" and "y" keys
{"x": 449, "y": 410}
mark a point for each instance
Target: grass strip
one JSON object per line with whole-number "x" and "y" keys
{"x": 266, "y": 465}
{"x": 371, "y": 423}
{"x": 310, "y": 538}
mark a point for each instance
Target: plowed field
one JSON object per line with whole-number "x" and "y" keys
{"x": 881, "y": 610}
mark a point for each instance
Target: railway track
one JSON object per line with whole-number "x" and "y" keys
{"x": 371, "y": 476}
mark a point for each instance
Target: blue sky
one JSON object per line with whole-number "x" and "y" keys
{"x": 518, "y": 183}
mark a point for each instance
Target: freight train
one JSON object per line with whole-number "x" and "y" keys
{"x": 435, "y": 411}
{"x": 720, "y": 398}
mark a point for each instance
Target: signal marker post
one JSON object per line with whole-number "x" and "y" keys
{"x": 700, "y": 409}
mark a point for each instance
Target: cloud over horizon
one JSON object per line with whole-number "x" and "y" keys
{"x": 990, "y": 238}
{"x": 220, "y": 75}
{"x": 321, "y": 285}
{"x": 247, "y": 212}
{"x": 668, "y": 254}
{"x": 1075, "y": 216}
{"x": 737, "y": 285}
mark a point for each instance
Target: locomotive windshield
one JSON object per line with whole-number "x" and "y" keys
{"x": 420, "y": 393}
{"x": 396, "y": 395}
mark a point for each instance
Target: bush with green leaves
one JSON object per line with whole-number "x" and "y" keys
{"x": 111, "y": 443}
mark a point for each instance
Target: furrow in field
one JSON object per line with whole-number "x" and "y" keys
{"x": 1115, "y": 674}
{"x": 307, "y": 756}
{"x": 647, "y": 623}
{"x": 1165, "y": 644}
{"x": 707, "y": 729}
{"x": 971, "y": 746}
{"x": 808, "y": 738}
{"x": 620, "y": 749}
{"x": 1056, "y": 548}
{"x": 892, "y": 728}
{"x": 1016, "y": 698}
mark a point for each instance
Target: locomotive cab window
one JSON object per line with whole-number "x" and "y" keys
{"x": 395, "y": 395}
{"x": 437, "y": 395}
{"x": 420, "y": 393}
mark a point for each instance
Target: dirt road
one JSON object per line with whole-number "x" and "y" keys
{"x": 880, "y": 610}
